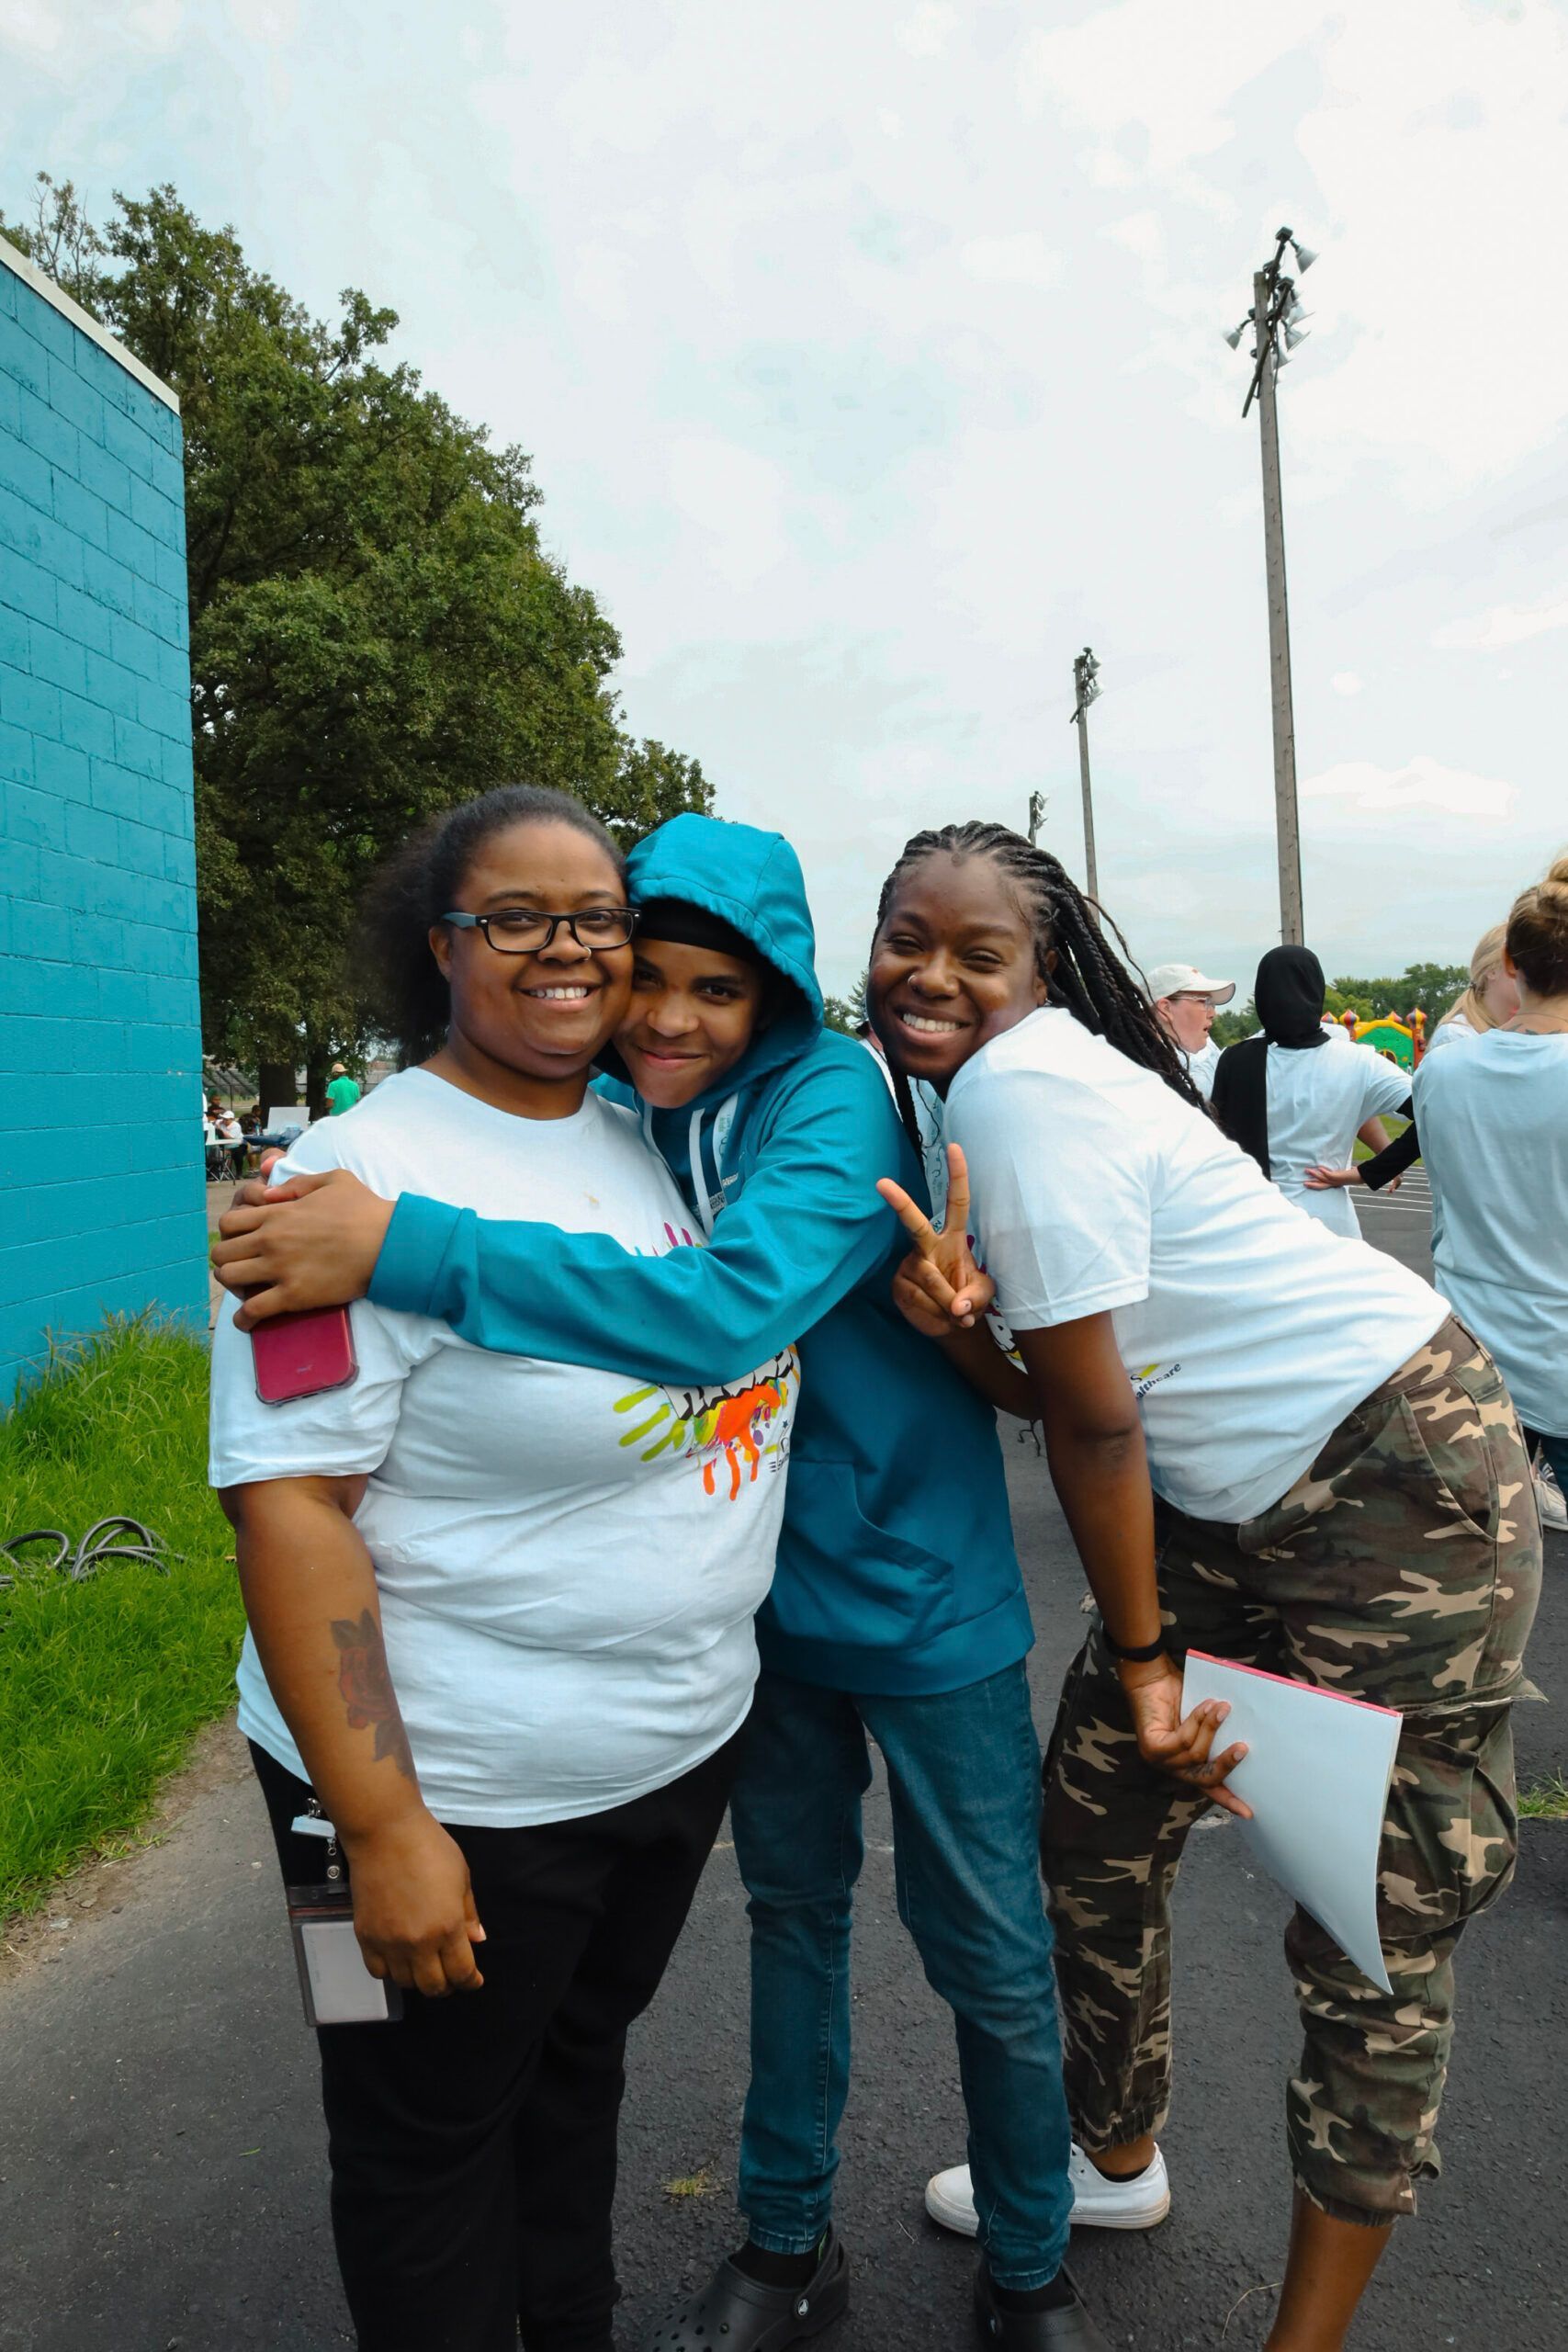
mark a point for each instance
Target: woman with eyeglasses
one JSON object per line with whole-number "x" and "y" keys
{"x": 500, "y": 1637}
{"x": 897, "y": 1612}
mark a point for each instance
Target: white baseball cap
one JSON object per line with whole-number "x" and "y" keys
{"x": 1186, "y": 979}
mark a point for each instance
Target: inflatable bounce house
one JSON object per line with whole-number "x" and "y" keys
{"x": 1397, "y": 1040}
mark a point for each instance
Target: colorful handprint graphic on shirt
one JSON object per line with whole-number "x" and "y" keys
{"x": 735, "y": 1426}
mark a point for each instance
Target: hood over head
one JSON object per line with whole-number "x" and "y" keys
{"x": 752, "y": 881}
{"x": 1288, "y": 998}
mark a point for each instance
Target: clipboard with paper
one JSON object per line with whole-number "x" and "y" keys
{"x": 1317, "y": 1775}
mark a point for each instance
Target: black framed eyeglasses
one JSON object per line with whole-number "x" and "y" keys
{"x": 523, "y": 931}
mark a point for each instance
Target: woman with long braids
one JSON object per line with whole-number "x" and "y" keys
{"x": 897, "y": 1614}
{"x": 1271, "y": 1444}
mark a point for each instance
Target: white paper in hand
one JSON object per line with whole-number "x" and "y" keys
{"x": 1317, "y": 1775}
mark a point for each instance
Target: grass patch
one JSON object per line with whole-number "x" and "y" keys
{"x": 1395, "y": 1126}
{"x": 1547, "y": 1801}
{"x": 693, "y": 2184}
{"x": 104, "y": 1683}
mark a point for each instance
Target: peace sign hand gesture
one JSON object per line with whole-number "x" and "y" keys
{"x": 939, "y": 1288}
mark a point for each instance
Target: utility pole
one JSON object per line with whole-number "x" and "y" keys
{"x": 1274, "y": 305}
{"x": 1085, "y": 672}
{"x": 1036, "y": 818}
{"x": 1287, "y": 820}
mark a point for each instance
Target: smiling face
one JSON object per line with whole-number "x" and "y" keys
{"x": 953, "y": 964}
{"x": 692, "y": 1013}
{"x": 525, "y": 1029}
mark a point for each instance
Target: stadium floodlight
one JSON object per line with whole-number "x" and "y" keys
{"x": 1303, "y": 253}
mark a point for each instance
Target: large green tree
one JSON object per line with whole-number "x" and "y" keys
{"x": 376, "y": 630}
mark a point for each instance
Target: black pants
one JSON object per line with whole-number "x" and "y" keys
{"x": 473, "y": 2142}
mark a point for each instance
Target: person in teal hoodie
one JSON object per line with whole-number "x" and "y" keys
{"x": 897, "y": 1609}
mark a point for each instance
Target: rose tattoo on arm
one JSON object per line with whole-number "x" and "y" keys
{"x": 366, "y": 1682}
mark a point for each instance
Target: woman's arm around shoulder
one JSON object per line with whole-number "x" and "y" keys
{"x": 804, "y": 1231}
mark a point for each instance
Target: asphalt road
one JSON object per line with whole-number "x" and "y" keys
{"x": 162, "y": 2173}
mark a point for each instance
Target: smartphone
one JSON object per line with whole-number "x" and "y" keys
{"x": 303, "y": 1355}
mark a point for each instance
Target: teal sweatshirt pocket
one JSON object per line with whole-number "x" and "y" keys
{"x": 837, "y": 1570}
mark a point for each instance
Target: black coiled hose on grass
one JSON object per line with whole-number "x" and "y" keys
{"x": 119, "y": 1538}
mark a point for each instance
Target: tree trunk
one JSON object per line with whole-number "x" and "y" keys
{"x": 276, "y": 1082}
{"x": 316, "y": 1080}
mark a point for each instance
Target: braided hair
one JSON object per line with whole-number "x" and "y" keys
{"x": 1085, "y": 978}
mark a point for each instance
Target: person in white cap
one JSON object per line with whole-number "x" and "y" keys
{"x": 1186, "y": 1000}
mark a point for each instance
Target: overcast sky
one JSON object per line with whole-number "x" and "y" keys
{"x": 869, "y": 355}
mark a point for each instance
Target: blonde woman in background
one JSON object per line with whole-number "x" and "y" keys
{"x": 1491, "y": 1003}
{"x": 1493, "y": 1125}
{"x": 1492, "y": 998}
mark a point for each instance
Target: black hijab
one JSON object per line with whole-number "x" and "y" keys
{"x": 1288, "y": 999}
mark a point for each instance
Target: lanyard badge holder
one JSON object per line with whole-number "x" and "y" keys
{"x": 336, "y": 1986}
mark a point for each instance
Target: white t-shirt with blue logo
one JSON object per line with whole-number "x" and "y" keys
{"x": 1248, "y": 1330}
{"x": 568, "y": 1560}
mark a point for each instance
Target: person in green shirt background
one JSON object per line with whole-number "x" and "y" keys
{"x": 342, "y": 1091}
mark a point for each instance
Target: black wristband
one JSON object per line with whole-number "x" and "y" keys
{"x": 1142, "y": 1655}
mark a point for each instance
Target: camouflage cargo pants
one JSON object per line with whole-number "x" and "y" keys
{"x": 1404, "y": 1569}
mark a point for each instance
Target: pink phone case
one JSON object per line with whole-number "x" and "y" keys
{"x": 303, "y": 1355}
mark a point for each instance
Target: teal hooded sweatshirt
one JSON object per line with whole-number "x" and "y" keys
{"x": 896, "y": 1572}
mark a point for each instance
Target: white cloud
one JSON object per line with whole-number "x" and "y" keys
{"x": 1346, "y": 682}
{"x": 927, "y": 32}
{"x": 1142, "y": 233}
{"x": 762, "y": 291}
{"x": 1171, "y": 74}
{"x": 157, "y": 22}
{"x": 274, "y": 22}
{"x": 1419, "y": 133}
{"x": 32, "y": 25}
{"x": 1023, "y": 259}
{"x": 1362, "y": 788}
{"x": 1504, "y": 625}
{"x": 736, "y": 501}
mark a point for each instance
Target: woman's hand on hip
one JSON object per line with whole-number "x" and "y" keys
{"x": 413, "y": 1906}
{"x": 939, "y": 1285}
{"x": 312, "y": 1242}
{"x": 1177, "y": 1744}
{"x": 1331, "y": 1179}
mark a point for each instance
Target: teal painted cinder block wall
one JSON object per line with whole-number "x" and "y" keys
{"x": 102, "y": 1200}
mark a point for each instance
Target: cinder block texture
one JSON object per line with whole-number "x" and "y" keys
{"x": 102, "y": 1204}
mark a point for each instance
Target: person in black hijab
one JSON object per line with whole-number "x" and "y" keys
{"x": 1288, "y": 998}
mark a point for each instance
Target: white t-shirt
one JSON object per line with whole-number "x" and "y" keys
{"x": 568, "y": 1560}
{"x": 1318, "y": 1101}
{"x": 1450, "y": 1031}
{"x": 1247, "y": 1331}
{"x": 1201, "y": 1065}
{"x": 1494, "y": 1123}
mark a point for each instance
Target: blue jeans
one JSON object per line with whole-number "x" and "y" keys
{"x": 963, "y": 1774}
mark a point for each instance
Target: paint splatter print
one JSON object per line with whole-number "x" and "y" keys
{"x": 723, "y": 1428}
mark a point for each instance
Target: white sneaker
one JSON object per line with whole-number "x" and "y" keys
{"x": 1098, "y": 2203}
{"x": 1549, "y": 1499}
